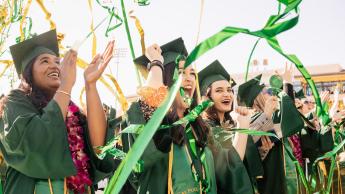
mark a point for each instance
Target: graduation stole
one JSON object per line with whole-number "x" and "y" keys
{"x": 198, "y": 161}
{"x": 74, "y": 123}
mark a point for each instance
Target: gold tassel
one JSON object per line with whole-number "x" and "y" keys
{"x": 171, "y": 157}
{"x": 65, "y": 191}
{"x": 50, "y": 186}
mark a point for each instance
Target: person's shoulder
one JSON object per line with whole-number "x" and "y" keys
{"x": 16, "y": 94}
{"x": 17, "y": 99}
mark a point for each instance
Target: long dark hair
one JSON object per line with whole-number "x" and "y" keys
{"x": 198, "y": 126}
{"x": 38, "y": 98}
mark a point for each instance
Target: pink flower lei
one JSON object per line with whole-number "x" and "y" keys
{"x": 74, "y": 124}
{"x": 297, "y": 150}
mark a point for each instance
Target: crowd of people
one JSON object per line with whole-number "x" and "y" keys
{"x": 50, "y": 145}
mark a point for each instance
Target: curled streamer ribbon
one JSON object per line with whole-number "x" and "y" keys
{"x": 140, "y": 30}
{"x": 94, "y": 38}
{"x": 113, "y": 15}
{"x": 25, "y": 12}
{"x": 47, "y": 13}
{"x": 7, "y": 64}
{"x": 121, "y": 97}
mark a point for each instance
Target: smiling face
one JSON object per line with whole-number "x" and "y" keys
{"x": 46, "y": 72}
{"x": 222, "y": 95}
{"x": 188, "y": 82}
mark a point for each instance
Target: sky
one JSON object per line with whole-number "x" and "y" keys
{"x": 318, "y": 38}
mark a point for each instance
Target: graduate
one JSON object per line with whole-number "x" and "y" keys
{"x": 47, "y": 142}
{"x": 178, "y": 159}
{"x": 280, "y": 175}
{"x": 231, "y": 174}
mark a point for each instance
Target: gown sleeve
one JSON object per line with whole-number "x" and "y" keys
{"x": 35, "y": 143}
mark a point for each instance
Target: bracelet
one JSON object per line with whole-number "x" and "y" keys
{"x": 155, "y": 63}
{"x": 63, "y": 92}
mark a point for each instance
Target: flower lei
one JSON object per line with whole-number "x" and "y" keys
{"x": 74, "y": 124}
{"x": 297, "y": 150}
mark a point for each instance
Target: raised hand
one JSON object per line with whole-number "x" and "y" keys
{"x": 98, "y": 64}
{"x": 266, "y": 143}
{"x": 68, "y": 70}
{"x": 242, "y": 116}
{"x": 288, "y": 73}
{"x": 271, "y": 105}
{"x": 154, "y": 52}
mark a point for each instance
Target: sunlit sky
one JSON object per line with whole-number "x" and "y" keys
{"x": 318, "y": 38}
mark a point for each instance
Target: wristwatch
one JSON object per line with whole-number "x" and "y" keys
{"x": 155, "y": 63}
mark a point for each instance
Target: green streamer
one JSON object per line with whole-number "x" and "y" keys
{"x": 113, "y": 15}
{"x": 126, "y": 166}
{"x": 27, "y": 30}
{"x": 299, "y": 168}
{"x": 142, "y": 2}
{"x": 330, "y": 175}
{"x": 191, "y": 116}
{"x": 271, "y": 29}
{"x": 249, "y": 59}
{"x": 130, "y": 40}
{"x": 330, "y": 154}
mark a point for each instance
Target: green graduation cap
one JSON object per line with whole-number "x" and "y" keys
{"x": 170, "y": 52}
{"x": 24, "y": 52}
{"x": 299, "y": 94}
{"x": 212, "y": 73}
{"x": 248, "y": 91}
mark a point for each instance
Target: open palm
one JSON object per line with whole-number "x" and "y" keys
{"x": 94, "y": 71}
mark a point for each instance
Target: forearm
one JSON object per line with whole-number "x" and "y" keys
{"x": 155, "y": 77}
{"x": 96, "y": 119}
{"x": 240, "y": 144}
{"x": 62, "y": 98}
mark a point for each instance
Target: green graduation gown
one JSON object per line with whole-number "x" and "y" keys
{"x": 35, "y": 146}
{"x": 231, "y": 172}
{"x": 154, "y": 177}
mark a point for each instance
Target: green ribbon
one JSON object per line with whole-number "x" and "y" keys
{"x": 186, "y": 99}
{"x": 272, "y": 28}
{"x": 113, "y": 15}
{"x": 289, "y": 153}
{"x": 142, "y": 2}
{"x": 130, "y": 40}
{"x": 191, "y": 116}
{"x": 26, "y": 30}
{"x": 134, "y": 154}
{"x": 298, "y": 166}
{"x": 250, "y": 58}
{"x": 198, "y": 154}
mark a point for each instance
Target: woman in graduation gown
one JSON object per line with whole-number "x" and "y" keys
{"x": 169, "y": 163}
{"x": 47, "y": 142}
{"x": 173, "y": 163}
{"x": 231, "y": 173}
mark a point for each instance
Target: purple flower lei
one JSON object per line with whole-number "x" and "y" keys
{"x": 78, "y": 182}
{"x": 297, "y": 150}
